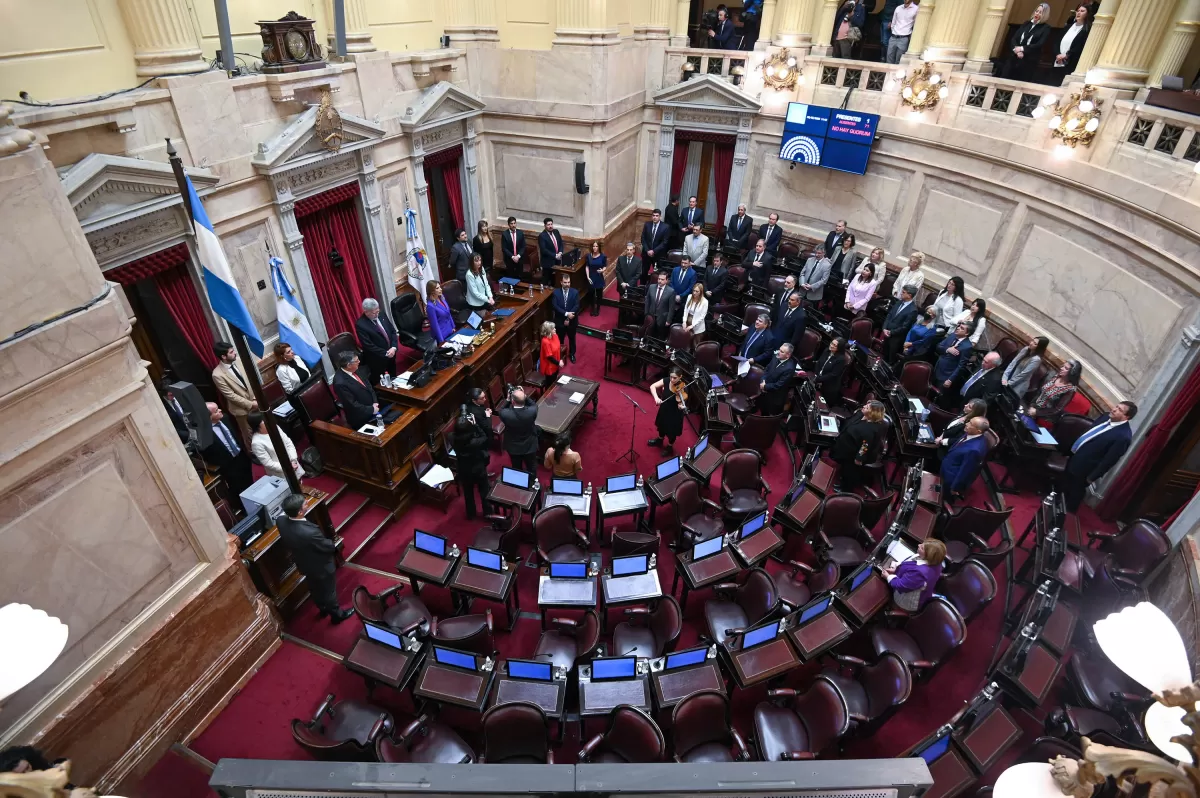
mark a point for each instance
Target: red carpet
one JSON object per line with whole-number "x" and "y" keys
{"x": 295, "y": 680}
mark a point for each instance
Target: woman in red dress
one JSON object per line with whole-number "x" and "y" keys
{"x": 551, "y": 355}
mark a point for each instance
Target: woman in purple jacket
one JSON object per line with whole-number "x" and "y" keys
{"x": 441, "y": 320}
{"x": 920, "y": 574}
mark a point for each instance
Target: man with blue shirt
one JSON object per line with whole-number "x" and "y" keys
{"x": 965, "y": 458}
{"x": 920, "y": 337}
{"x": 1096, "y": 451}
{"x": 757, "y": 345}
{"x": 953, "y": 353}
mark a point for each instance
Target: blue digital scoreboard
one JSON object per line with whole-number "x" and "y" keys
{"x": 829, "y": 137}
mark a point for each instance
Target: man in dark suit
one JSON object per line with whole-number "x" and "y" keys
{"x": 520, "y": 431}
{"x": 629, "y": 269}
{"x": 985, "y": 383}
{"x": 965, "y": 458}
{"x": 779, "y": 302}
{"x": 737, "y": 232}
{"x": 756, "y": 346}
{"x": 714, "y": 282}
{"x": 789, "y": 325}
{"x": 771, "y": 234}
{"x": 777, "y": 381}
{"x": 659, "y": 305}
{"x": 460, "y": 256}
{"x": 655, "y": 235}
{"x": 482, "y": 413}
{"x": 758, "y": 264}
{"x": 227, "y": 455}
{"x": 722, "y": 36}
{"x": 674, "y": 225}
{"x": 566, "y": 313}
{"x": 1096, "y": 451}
{"x": 512, "y": 249}
{"x": 953, "y": 352}
{"x": 834, "y": 240}
{"x": 550, "y": 247}
{"x": 693, "y": 214}
{"x": 900, "y": 318}
{"x": 315, "y": 556}
{"x": 175, "y": 413}
{"x": 378, "y": 340}
{"x": 355, "y": 395}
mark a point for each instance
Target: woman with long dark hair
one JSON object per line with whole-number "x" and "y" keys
{"x": 1020, "y": 370}
{"x": 562, "y": 460}
{"x": 471, "y": 452}
{"x": 1051, "y": 401}
{"x": 596, "y": 263}
{"x": 672, "y": 409}
{"x": 482, "y": 244}
{"x": 949, "y": 303}
{"x": 862, "y": 288}
{"x": 975, "y": 316}
{"x": 290, "y": 370}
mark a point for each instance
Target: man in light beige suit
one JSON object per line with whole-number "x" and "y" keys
{"x": 232, "y": 384}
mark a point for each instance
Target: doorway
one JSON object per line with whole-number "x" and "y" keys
{"x": 443, "y": 172}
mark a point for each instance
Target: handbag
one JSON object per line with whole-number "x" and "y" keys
{"x": 310, "y": 458}
{"x": 854, "y": 35}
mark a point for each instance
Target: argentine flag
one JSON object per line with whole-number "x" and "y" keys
{"x": 218, "y": 279}
{"x": 294, "y": 329}
{"x": 420, "y": 270}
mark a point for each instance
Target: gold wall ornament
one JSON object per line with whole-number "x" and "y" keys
{"x": 781, "y": 71}
{"x": 1075, "y": 119}
{"x": 328, "y": 124}
{"x": 920, "y": 87}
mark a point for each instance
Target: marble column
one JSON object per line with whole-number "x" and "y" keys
{"x": 920, "y": 34}
{"x": 950, "y": 31}
{"x": 285, "y": 202}
{"x": 1101, "y": 25}
{"x": 376, "y": 236}
{"x": 583, "y": 22}
{"x": 822, "y": 30}
{"x": 418, "y": 171}
{"x": 679, "y": 26}
{"x": 983, "y": 38}
{"x": 1136, "y": 35}
{"x": 473, "y": 206}
{"x": 737, "y": 175}
{"x": 654, "y": 20}
{"x": 767, "y": 29}
{"x": 666, "y": 153}
{"x": 794, "y": 25}
{"x": 1178, "y": 43}
{"x": 164, "y": 40}
{"x": 471, "y": 21}
{"x": 358, "y": 27}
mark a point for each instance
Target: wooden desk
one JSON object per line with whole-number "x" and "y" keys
{"x": 951, "y": 775}
{"x": 494, "y": 586}
{"x": 617, "y": 505}
{"x": 870, "y": 597}
{"x": 456, "y": 686}
{"x": 761, "y": 663}
{"x": 382, "y": 664}
{"x": 1059, "y": 628}
{"x": 550, "y": 696}
{"x": 758, "y": 547}
{"x": 508, "y": 496}
{"x": 565, "y": 594}
{"x": 626, "y": 590}
{"x": 802, "y": 512}
{"x": 270, "y": 563}
{"x": 671, "y": 687}
{"x": 822, "y": 477}
{"x": 1031, "y": 686}
{"x": 420, "y": 566}
{"x": 819, "y": 635}
{"x": 931, "y": 490}
{"x": 557, "y": 414}
{"x": 987, "y": 740}
{"x": 380, "y": 467}
{"x": 921, "y": 525}
{"x": 600, "y": 698}
{"x": 628, "y": 353}
{"x": 703, "y": 573}
{"x": 704, "y": 466}
{"x": 663, "y": 491}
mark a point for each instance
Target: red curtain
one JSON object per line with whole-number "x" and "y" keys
{"x": 1136, "y": 467}
{"x": 148, "y": 265}
{"x": 722, "y": 170}
{"x": 339, "y": 290}
{"x": 678, "y": 166}
{"x": 454, "y": 191}
{"x": 179, "y": 295}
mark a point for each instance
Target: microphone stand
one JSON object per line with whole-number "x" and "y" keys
{"x": 631, "y": 455}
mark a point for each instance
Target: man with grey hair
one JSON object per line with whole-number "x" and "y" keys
{"x": 378, "y": 340}
{"x": 756, "y": 346}
{"x": 629, "y": 269}
{"x": 737, "y": 232}
{"x": 356, "y": 396}
{"x": 985, "y": 383}
{"x": 226, "y": 454}
{"x": 777, "y": 381}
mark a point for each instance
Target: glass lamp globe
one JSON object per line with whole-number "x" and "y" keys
{"x": 1072, "y": 123}
{"x": 1163, "y": 723}
{"x": 1027, "y": 780}
{"x": 783, "y": 72}
{"x": 935, "y": 79}
{"x": 33, "y": 640}
{"x": 1055, "y": 121}
{"x": 924, "y": 93}
{"x": 907, "y": 92}
{"x": 1146, "y": 646}
{"x": 1050, "y": 99}
{"x": 943, "y": 92}
{"x": 791, "y": 62}
{"x": 1038, "y": 112}
{"x": 889, "y": 85}
{"x": 770, "y": 70}
{"x": 1087, "y": 106}
{"x": 900, "y": 74}
{"x": 1092, "y": 124}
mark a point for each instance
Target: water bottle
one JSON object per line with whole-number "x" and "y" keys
{"x": 589, "y": 489}
{"x": 531, "y": 289}
{"x": 386, "y": 380}
{"x": 454, "y": 552}
{"x": 608, "y": 336}
{"x": 640, "y": 482}
{"x": 378, "y": 420}
{"x": 688, "y": 454}
{"x": 536, "y": 485}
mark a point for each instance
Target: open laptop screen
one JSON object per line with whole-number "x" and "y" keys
{"x": 859, "y": 578}
{"x": 614, "y": 668}
{"x": 813, "y": 610}
{"x": 763, "y": 634}
{"x": 935, "y": 750}
{"x": 525, "y": 669}
{"x": 459, "y": 659}
{"x": 683, "y": 659}
{"x": 381, "y": 635}
{"x": 569, "y": 487}
{"x": 700, "y": 446}
{"x": 515, "y": 478}
{"x": 619, "y": 483}
{"x": 482, "y": 558}
{"x": 707, "y": 548}
{"x": 752, "y": 525}
{"x": 568, "y": 570}
{"x": 433, "y": 544}
{"x": 667, "y": 468}
{"x": 475, "y": 320}
{"x": 629, "y": 566}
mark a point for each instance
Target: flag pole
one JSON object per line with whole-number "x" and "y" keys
{"x": 249, "y": 367}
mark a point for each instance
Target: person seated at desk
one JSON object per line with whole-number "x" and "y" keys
{"x": 441, "y": 318}
{"x": 479, "y": 289}
{"x": 974, "y": 408}
{"x": 550, "y": 353}
{"x": 315, "y": 556}
{"x": 562, "y": 460}
{"x": 291, "y": 372}
{"x": 471, "y": 442}
{"x": 964, "y": 458}
{"x": 224, "y": 453}
{"x": 1051, "y": 402}
{"x": 919, "y": 341}
{"x": 777, "y": 381}
{"x": 953, "y": 354}
{"x": 356, "y": 396}
{"x": 672, "y": 409}
{"x": 914, "y": 582}
{"x": 859, "y": 442}
{"x": 264, "y": 450}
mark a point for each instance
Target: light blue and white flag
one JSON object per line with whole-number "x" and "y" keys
{"x": 294, "y": 329}
{"x": 218, "y": 279}
{"x": 420, "y": 270}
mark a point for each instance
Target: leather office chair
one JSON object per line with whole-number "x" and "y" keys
{"x": 401, "y": 614}
{"x": 938, "y": 418}
{"x": 1038, "y": 378}
{"x": 702, "y": 730}
{"x": 342, "y": 342}
{"x": 530, "y": 376}
{"x": 627, "y": 542}
{"x": 788, "y": 249}
{"x": 810, "y": 342}
{"x": 925, "y": 639}
{"x": 840, "y": 533}
{"x": 656, "y": 636}
{"x": 752, "y": 312}
{"x": 693, "y": 523}
{"x": 795, "y": 592}
{"x": 968, "y": 533}
{"x": 317, "y": 403}
{"x": 871, "y": 692}
{"x": 745, "y": 390}
{"x": 675, "y": 257}
{"x": 342, "y": 730}
{"x": 436, "y": 495}
{"x": 409, "y": 321}
{"x": 511, "y": 373}
{"x": 708, "y": 356}
{"x": 503, "y": 535}
{"x": 455, "y": 295}
{"x": 679, "y": 338}
{"x": 814, "y": 720}
{"x": 971, "y": 588}
{"x": 1100, "y": 685}
{"x": 737, "y": 607}
{"x": 874, "y": 510}
{"x": 862, "y": 332}
{"x": 424, "y": 741}
{"x": 1068, "y": 429}
{"x": 632, "y": 736}
{"x": 1007, "y": 348}
{"x": 775, "y": 284}
{"x": 1117, "y": 570}
{"x": 758, "y": 433}
{"x": 743, "y": 488}
{"x": 516, "y": 734}
{"x": 467, "y": 633}
{"x": 557, "y": 538}
{"x": 735, "y": 280}
{"x": 570, "y": 641}
{"x": 915, "y": 378}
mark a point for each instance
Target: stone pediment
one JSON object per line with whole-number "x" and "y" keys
{"x": 439, "y": 105}
{"x": 299, "y": 144}
{"x": 108, "y": 189}
{"x": 709, "y": 93}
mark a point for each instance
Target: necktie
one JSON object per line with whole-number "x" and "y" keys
{"x": 554, "y": 239}
{"x": 653, "y": 233}
{"x": 749, "y": 342}
{"x": 758, "y": 257}
{"x": 360, "y": 382}
{"x": 379, "y": 324}
{"x": 770, "y": 231}
{"x": 175, "y": 404}
{"x": 233, "y": 368}
{"x": 1092, "y": 433}
{"x": 658, "y": 299}
{"x": 789, "y": 313}
{"x": 514, "y": 240}
{"x": 974, "y": 379}
{"x": 227, "y": 439}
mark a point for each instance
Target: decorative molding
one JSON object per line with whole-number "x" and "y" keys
{"x": 150, "y": 231}
{"x": 299, "y": 144}
{"x": 1189, "y": 336}
{"x": 706, "y": 93}
{"x": 319, "y": 177}
{"x": 107, "y": 190}
{"x": 438, "y": 138}
{"x": 440, "y": 104}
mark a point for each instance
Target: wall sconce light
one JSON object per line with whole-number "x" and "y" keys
{"x": 921, "y": 88}
{"x": 1075, "y": 119}
{"x": 34, "y": 640}
{"x": 781, "y": 71}
{"x": 335, "y": 259}
{"x": 689, "y": 69}
{"x": 738, "y": 74}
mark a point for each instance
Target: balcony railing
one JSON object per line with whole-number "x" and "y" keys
{"x": 1168, "y": 133}
{"x": 684, "y": 62}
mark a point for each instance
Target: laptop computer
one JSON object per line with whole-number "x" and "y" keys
{"x": 700, "y": 446}
{"x": 620, "y": 482}
{"x": 686, "y": 659}
{"x": 569, "y": 570}
{"x": 569, "y": 493}
{"x": 752, "y": 525}
{"x": 530, "y": 669}
{"x": 474, "y": 322}
{"x": 707, "y": 548}
{"x": 381, "y": 634}
{"x": 666, "y": 468}
{"x": 608, "y": 668}
{"x": 634, "y": 565}
{"x": 455, "y": 659}
{"x": 485, "y": 558}
{"x": 430, "y": 544}
{"x": 813, "y": 609}
{"x": 516, "y": 479}
{"x": 935, "y": 750}
{"x": 861, "y": 575}
{"x": 760, "y": 635}
{"x": 566, "y": 487}
{"x": 621, "y": 493}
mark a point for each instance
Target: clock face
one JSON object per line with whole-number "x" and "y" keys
{"x": 297, "y": 45}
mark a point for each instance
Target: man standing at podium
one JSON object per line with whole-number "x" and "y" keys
{"x": 315, "y": 557}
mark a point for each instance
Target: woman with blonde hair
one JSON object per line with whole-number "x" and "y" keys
{"x": 437, "y": 310}
{"x": 550, "y": 360}
{"x": 914, "y": 581}
{"x": 910, "y": 275}
{"x": 694, "y": 312}
{"x": 859, "y": 443}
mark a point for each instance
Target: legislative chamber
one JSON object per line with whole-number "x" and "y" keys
{"x": 591, "y": 396}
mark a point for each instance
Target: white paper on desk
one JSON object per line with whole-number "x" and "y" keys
{"x": 370, "y": 429}
{"x": 576, "y": 398}
{"x": 564, "y": 380}
{"x": 829, "y": 424}
{"x": 917, "y": 405}
{"x": 900, "y": 552}
{"x": 745, "y": 327}
{"x": 437, "y": 475}
{"x": 743, "y": 368}
{"x": 463, "y": 339}
{"x": 283, "y": 410}
{"x": 1043, "y": 436}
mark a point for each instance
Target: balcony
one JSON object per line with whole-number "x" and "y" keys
{"x": 684, "y": 62}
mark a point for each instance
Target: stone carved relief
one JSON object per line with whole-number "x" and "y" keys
{"x": 111, "y": 242}
{"x": 706, "y": 118}
{"x": 439, "y": 138}
{"x": 325, "y": 172}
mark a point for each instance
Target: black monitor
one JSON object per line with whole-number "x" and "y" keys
{"x": 430, "y": 544}
{"x": 759, "y": 635}
{"x": 633, "y": 565}
{"x": 381, "y": 634}
{"x": 686, "y": 659}
{"x": 455, "y": 659}
{"x": 485, "y": 558}
{"x": 514, "y": 478}
{"x": 568, "y": 570}
{"x": 666, "y": 468}
{"x": 568, "y": 487}
{"x": 249, "y": 528}
{"x": 620, "y": 482}
{"x": 604, "y": 668}
{"x": 707, "y": 548}
{"x": 530, "y": 669}
{"x": 934, "y": 750}
{"x": 814, "y": 609}
{"x": 752, "y": 525}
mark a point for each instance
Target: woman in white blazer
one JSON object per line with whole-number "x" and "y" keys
{"x": 264, "y": 452}
{"x": 290, "y": 370}
{"x": 695, "y": 310}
